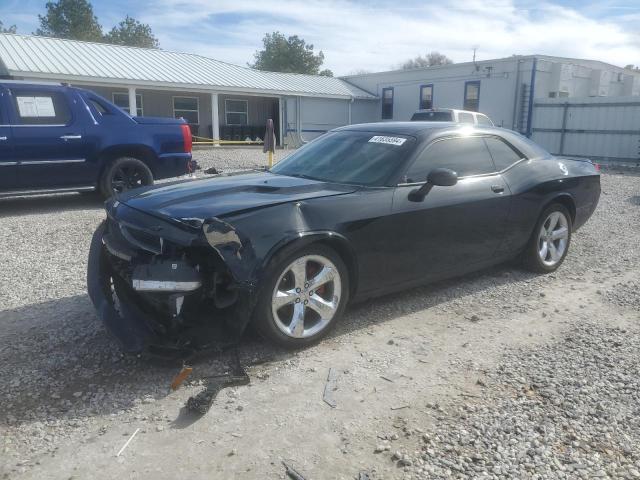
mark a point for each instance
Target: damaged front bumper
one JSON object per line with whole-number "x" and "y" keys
{"x": 163, "y": 287}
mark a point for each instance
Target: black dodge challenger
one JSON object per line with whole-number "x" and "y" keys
{"x": 361, "y": 211}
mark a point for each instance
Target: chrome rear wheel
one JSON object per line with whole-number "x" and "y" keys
{"x": 553, "y": 238}
{"x": 549, "y": 241}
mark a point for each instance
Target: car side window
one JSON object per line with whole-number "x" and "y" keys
{"x": 464, "y": 155}
{"x": 503, "y": 154}
{"x": 464, "y": 117}
{"x": 35, "y": 107}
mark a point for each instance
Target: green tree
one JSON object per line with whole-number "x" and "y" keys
{"x": 291, "y": 55}
{"x": 11, "y": 29}
{"x": 429, "y": 60}
{"x": 132, "y": 33}
{"x": 72, "y": 19}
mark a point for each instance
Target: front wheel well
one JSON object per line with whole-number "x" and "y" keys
{"x": 347, "y": 256}
{"x": 337, "y": 243}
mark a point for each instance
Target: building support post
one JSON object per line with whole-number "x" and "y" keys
{"x": 215, "y": 120}
{"x": 281, "y": 122}
{"x": 565, "y": 109}
{"x": 133, "y": 108}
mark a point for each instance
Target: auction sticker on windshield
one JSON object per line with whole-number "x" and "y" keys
{"x": 388, "y": 140}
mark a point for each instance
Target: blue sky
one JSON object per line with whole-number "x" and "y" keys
{"x": 376, "y": 35}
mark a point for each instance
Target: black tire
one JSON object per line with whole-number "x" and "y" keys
{"x": 263, "y": 319}
{"x": 531, "y": 257}
{"x": 124, "y": 174}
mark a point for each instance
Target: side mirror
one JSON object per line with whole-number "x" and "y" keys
{"x": 438, "y": 177}
{"x": 442, "y": 177}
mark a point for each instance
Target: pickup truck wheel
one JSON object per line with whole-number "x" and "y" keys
{"x": 124, "y": 174}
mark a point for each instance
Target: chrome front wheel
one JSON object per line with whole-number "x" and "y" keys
{"x": 306, "y": 296}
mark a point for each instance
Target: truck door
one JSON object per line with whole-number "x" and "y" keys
{"x": 47, "y": 130}
{"x": 8, "y": 164}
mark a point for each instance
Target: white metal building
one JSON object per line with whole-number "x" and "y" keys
{"x": 218, "y": 99}
{"x": 505, "y": 89}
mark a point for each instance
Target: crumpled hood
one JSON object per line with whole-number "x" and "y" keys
{"x": 196, "y": 200}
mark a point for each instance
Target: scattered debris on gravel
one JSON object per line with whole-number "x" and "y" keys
{"x": 503, "y": 372}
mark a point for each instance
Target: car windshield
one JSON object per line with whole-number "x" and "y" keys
{"x": 362, "y": 158}
{"x": 431, "y": 117}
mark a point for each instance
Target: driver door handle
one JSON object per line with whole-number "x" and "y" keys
{"x": 497, "y": 188}
{"x": 2, "y": 139}
{"x": 71, "y": 137}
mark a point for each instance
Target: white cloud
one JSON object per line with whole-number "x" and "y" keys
{"x": 354, "y": 35}
{"x": 378, "y": 35}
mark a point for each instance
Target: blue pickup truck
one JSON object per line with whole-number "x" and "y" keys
{"x": 55, "y": 138}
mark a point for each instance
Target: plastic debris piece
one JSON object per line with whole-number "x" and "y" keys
{"x": 128, "y": 442}
{"x": 201, "y": 403}
{"x": 181, "y": 377}
{"x": 291, "y": 473}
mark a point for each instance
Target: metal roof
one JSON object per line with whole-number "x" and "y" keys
{"x": 72, "y": 60}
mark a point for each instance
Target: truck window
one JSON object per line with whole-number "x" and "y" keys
{"x": 464, "y": 117}
{"x": 431, "y": 117}
{"x": 483, "y": 120}
{"x": 35, "y": 107}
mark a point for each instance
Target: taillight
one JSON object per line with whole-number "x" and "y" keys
{"x": 186, "y": 138}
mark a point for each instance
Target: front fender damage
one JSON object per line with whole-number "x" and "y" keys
{"x": 185, "y": 299}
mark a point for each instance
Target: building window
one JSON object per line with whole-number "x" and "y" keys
{"x": 387, "y": 103}
{"x": 236, "y": 112}
{"x": 426, "y": 96}
{"x": 472, "y": 96}
{"x": 187, "y": 108}
{"x": 122, "y": 100}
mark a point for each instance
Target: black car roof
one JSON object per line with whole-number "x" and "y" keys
{"x": 401, "y": 128}
{"x": 427, "y": 130}
{"x": 422, "y": 129}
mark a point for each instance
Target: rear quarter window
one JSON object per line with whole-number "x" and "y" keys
{"x": 503, "y": 154}
{"x": 99, "y": 107}
{"x": 35, "y": 107}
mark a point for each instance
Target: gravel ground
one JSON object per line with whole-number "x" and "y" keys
{"x": 566, "y": 410}
{"x": 226, "y": 159}
{"x": 501, "y": 374}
